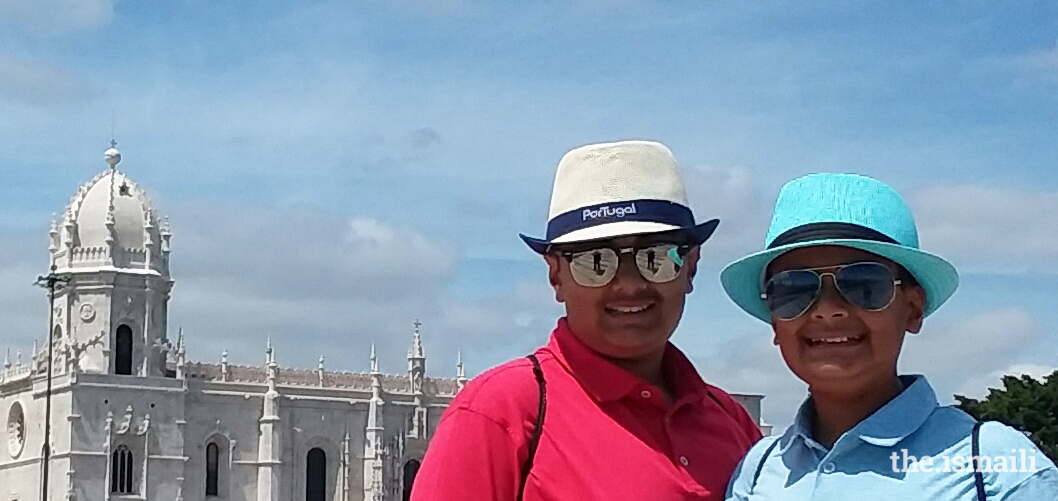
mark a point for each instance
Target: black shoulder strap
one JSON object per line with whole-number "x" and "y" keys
{"x": 538, "y": 428}
{"x": 760, "y": 465}
{"x": 975, "y": 449}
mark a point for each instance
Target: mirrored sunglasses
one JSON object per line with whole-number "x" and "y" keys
{"x": 867, "y": 285}
{"x": 657, "y": 263}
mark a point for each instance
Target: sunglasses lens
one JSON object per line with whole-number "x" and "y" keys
{"x": 593, "y": 268}
{"x": 867, "y": 285}
{"x": 659, "y": 263}
{"x": 790, "y": 293}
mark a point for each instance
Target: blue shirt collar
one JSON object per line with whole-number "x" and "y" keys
{"x": 886, "y": 427}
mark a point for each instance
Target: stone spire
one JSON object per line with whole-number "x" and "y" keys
{"x": 416, "y": 350}
{"x": 181, "y": 355}
{"x": 270, "y": 445}
{"x": 374, "y": 452}
{"x": 416, "y": 360}
{"x": 417, "y": 375}
{"x": 461, "y": 377}
{"x": 224, "y": 365}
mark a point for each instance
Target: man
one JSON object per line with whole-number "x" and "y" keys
{"x": 842, "y": 279}
{"x": 623, "y": 413}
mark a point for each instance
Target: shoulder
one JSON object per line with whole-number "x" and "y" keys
{"x": 749, "y": 468}
{"x": 764, "y": 448}
{"x": 506, "y": 393}
{"x": 1019, "y": 470}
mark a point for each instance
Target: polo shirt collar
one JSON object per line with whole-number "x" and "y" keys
{"x": 901, "y": 416}
{"x": 886, "y": 427}
{"x": 606, "y": 381}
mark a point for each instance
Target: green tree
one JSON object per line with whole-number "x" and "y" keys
{"x": 1025, "y": 403}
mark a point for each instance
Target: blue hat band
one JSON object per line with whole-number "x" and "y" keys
{"x": 654, "y": 211}
{"x": 825, "y": 231}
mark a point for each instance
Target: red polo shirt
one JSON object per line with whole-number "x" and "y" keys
{"x": 607, "y": 434}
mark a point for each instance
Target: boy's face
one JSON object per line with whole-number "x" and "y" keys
{"x": 629, "y": 317}
{"x": 835, "y": 346}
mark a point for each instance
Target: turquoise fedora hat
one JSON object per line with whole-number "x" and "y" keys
{"x": 848, "y": 210}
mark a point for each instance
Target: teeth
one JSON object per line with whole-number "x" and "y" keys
{"x": 835, "y": 340}
{"x": 629, "y": 309}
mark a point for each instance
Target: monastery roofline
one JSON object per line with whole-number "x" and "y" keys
{"x": 398, "y": 384}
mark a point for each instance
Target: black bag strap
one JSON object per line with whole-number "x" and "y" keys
{"x": 975, "y": 449}
{"x": 538, "y": 428}
{"x": 760, "y": 465}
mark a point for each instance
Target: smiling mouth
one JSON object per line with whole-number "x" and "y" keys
{"x": 628, "y": 310}
{"x": 835, "y": 341}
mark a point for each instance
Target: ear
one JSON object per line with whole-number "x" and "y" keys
{"x": 554, "y": 277}
{"x": 690, "y": 263}
{"x": 915, "y": 298}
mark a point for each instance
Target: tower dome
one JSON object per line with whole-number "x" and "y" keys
{"x": 110, "y": 221}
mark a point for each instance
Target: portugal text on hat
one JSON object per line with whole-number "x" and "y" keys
{"x": 948, "y": 464}
{"x": 607, "y": 211}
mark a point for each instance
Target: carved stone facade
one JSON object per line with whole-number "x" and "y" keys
{"x": 132, "y": 419}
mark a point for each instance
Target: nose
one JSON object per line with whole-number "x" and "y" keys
{"x": 830, "y": 305}
{"x": 628, "y": 279}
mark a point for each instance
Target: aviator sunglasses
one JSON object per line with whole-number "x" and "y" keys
{"x": 657, "y": 263}
{"x": 867, "y": 285}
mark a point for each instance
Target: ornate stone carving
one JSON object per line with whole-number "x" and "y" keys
{"x": 87, "y": 312}
{"x": 16, "y": 430}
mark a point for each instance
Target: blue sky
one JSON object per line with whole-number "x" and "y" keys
{"x": 333, "y": 170}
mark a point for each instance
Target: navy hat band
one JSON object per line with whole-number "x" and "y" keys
{"x": 654, "y": 211}
{"x": 824, "y": 231}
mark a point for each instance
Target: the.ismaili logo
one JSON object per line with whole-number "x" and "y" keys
{"x": 607, "y": 211}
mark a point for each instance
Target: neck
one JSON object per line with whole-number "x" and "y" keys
{"x": 648, "y": 368}
{"x": 837, "y": 413}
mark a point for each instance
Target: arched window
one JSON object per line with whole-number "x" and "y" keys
{"x": 121, "y": 470}
{"x": 212, "y": 458}
{"x": 411, "y": 468}
{"x": 316, "y": 475}
{"x": 123, "y": 350}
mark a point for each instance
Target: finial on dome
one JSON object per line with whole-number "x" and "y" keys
{"x": 112, "y": 156}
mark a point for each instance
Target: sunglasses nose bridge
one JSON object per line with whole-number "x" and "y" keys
{"x": 627, "y": 274}
{"x": 829, "y": 303}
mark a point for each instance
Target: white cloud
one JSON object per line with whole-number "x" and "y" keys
{"x": 733, "y": 195}
{"x": 966, "y": 355}
{"x": 977, "y": 387}
{"x": 997, "y": 228}
{"x": 317, "y": 284}
{"x": 53, "y": 17}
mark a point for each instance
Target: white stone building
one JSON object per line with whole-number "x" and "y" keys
{"x": 132, "y": 419}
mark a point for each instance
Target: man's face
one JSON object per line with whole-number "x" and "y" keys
{"x": 836, "y": 346}
{"x": 630, "y": 317}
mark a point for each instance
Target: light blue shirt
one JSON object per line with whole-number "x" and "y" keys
{"x": 911, "y": 449}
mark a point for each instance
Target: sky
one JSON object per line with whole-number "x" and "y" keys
{"x": 334, "y": 170}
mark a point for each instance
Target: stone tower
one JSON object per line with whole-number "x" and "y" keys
{"x": 112, "y": 316}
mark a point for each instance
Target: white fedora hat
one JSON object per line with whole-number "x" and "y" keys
{"x": 610, "y": 190}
